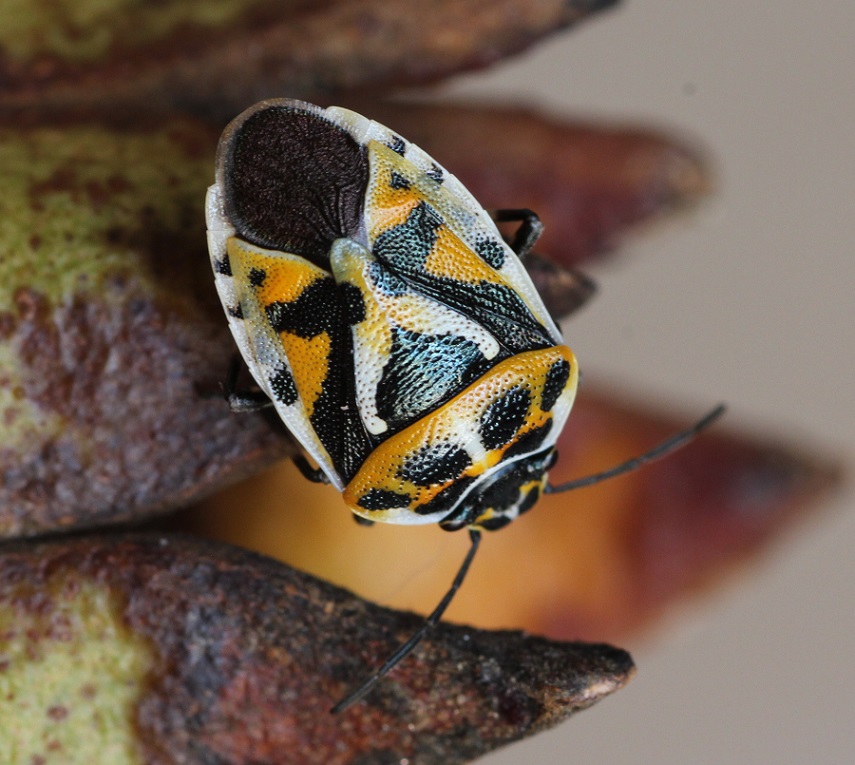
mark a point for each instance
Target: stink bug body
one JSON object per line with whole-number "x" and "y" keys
{"x": 381, "y": 312}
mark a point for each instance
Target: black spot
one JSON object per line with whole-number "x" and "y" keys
{"x": 397, "y": 144}
{"x": 381, "y": 499}
{"x": 236, "y": 311}
{"x": 556, "y": 380}
{"x": 336, "y": 421}
{"x": 257, "y": 276}
{"x": 312, "y": 313}
{"x": 397, "y": 181}
{"x": 223, "y": 266}
{"x": 431, "y": 465}
{"x": 447, "y": 499}
{"x": 503, "y": 419}
{"x": 436, "y": 173}
{"x": 354, "y": 304}
{"x": 502, "y": 492}
{"x": 491, "y": 252}
{"x": 293, "y": 181}
{"x": 529, "y": 442}
{"x": 282, "y": 384}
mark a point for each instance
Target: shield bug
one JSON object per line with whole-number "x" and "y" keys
{"x": 395, "y": 331}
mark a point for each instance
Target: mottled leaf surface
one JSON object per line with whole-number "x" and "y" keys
{"x": 112, "y": 344}
{"x": 219, "y": 57}
{"x": 206, "y": 653}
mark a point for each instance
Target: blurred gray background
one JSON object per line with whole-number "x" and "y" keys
{"x": 753, "y": 304}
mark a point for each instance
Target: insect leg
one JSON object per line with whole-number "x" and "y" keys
{"x": 430, "y": 622}
{"x": 245, "y": 400}
{"x": 313, "y": 474}
{"x": 527, "y": 234}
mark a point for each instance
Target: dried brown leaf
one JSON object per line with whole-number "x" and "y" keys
{"x": 222, "y": 56}
{"x": 564, "y": 290}
{"x": 675, "y": 527}
{"x": 202, "y": 653}
{"x": 110, "y": 332}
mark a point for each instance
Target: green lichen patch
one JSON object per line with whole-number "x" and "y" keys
{"x": 71, "y": 673}
{"x": 110, "y": 331}
{"x": 85, "y": 30}
{"x": 82, "y": 208}
{"x": 79, "y": 202}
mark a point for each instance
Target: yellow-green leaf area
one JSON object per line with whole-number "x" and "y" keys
{"x": 84, "y": 202}
{"x": 71, "y": 674}
{"x": 86, "y": 30}
{"x": 23, "y": 425}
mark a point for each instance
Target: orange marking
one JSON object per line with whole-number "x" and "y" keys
{"x": 452, "y": 257}
{"x": 309, "y": 359}
{"x": 457, "y": 418}
{"x": 287, "y": 276}
{"x": 386, "y": 206}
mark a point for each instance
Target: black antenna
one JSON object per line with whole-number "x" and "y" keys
{"x": 430, "y": 622}
{"x": 666, "y": 447}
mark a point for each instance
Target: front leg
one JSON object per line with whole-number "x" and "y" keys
{"x": 313, "y": 474}
{"x": 527, "y": 234}
{"x": 242, "y": 400}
